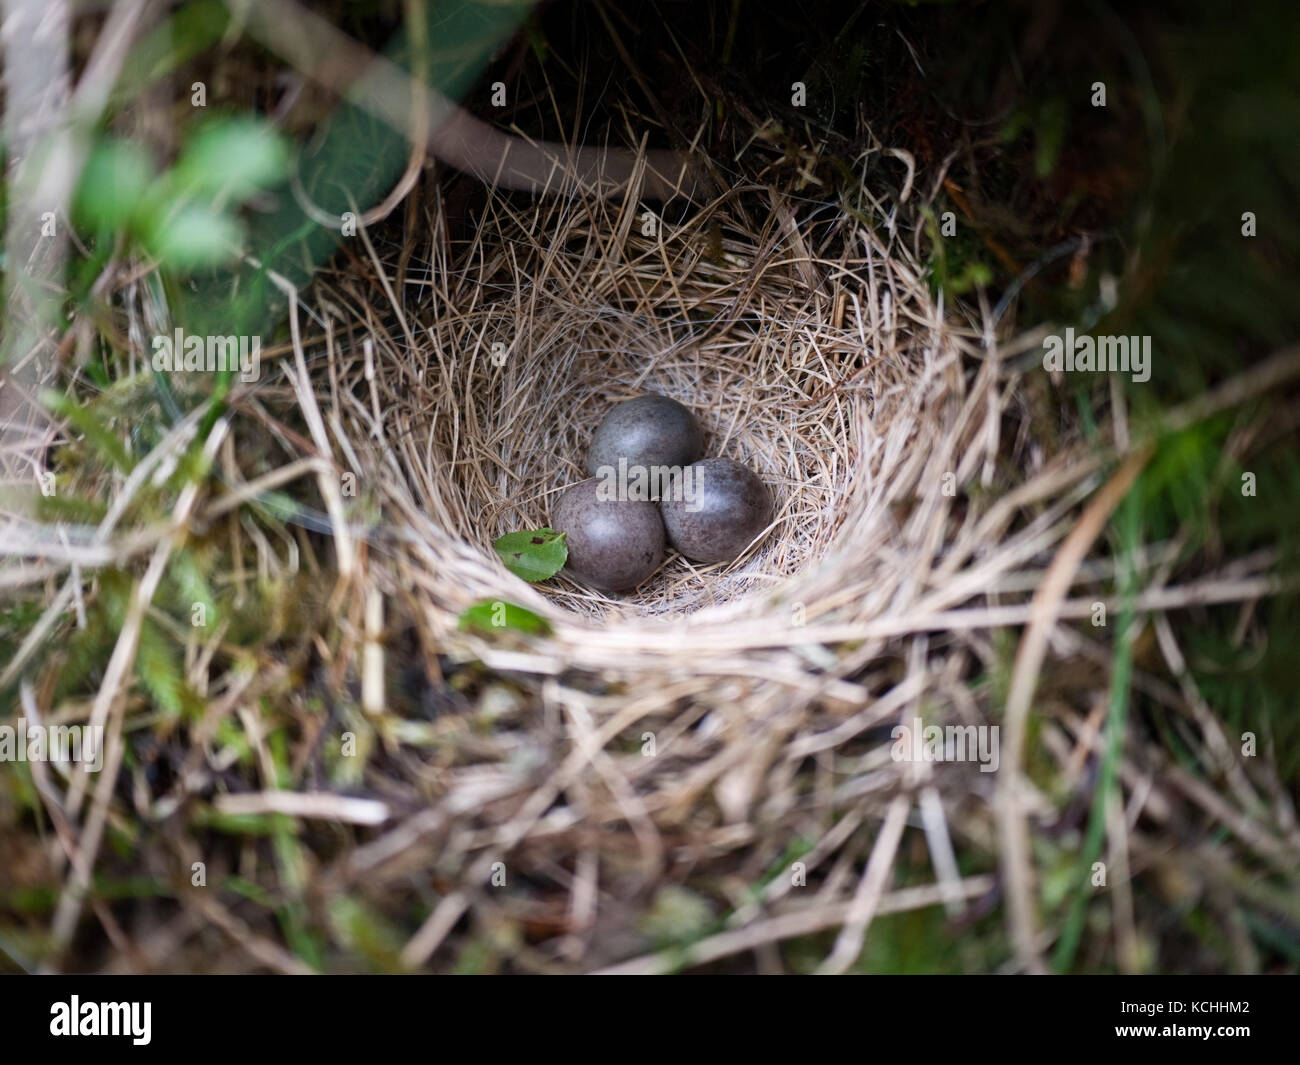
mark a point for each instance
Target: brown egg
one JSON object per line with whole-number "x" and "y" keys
{"x": 647, "y": 431}
{"x": 614, "y": 544}
{"x": 714, "y": 509}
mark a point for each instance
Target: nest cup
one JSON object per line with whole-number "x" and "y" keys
{"x": 832, "y": 377}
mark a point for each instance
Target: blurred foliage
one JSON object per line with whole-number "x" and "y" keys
{"x": 186, "y": 217}
{"x": 493, "y": 615}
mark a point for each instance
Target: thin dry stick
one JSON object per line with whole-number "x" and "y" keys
{"x": 788, "y": 926}
{"x": 434, "y": 930}
{"x": 319, "y": 806}
{"x": 1121, "y": 888}
{"x": 848, "y": 945}
{"x": 326, "y": 55}
{"x": 329, "y": 484}
{"x": 270, "y": 954}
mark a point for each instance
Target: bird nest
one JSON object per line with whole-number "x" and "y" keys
{"x": 835, "y": 378}
{"x": 815, "y": 354}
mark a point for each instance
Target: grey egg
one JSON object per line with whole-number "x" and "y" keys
{"x": 647, "y": 431}
{"x": 714, "y": 509}
{"x": 614, "y": 544}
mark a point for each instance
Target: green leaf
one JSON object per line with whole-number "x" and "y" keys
{"x": 493, "y": 615}
{"x": 234, "y": 824}
{"x": 195, "y": 236}
{"x": 113, "y": 185}
{"x": 236, "y": 157}
{"x": 534, "y": 555}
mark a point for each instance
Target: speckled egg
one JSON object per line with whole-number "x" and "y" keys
{"x": 714, "y": 510}
{"x": 647, "y": 431}
{"x": 614, "y": 544}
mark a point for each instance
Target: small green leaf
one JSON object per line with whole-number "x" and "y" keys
{"x": 195, "y": 236}
{"x": 113, "y": 185}
{"x": 493, "y": 615}
{"x": 534, "y": 555}
{"x": 235, "y": 157}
